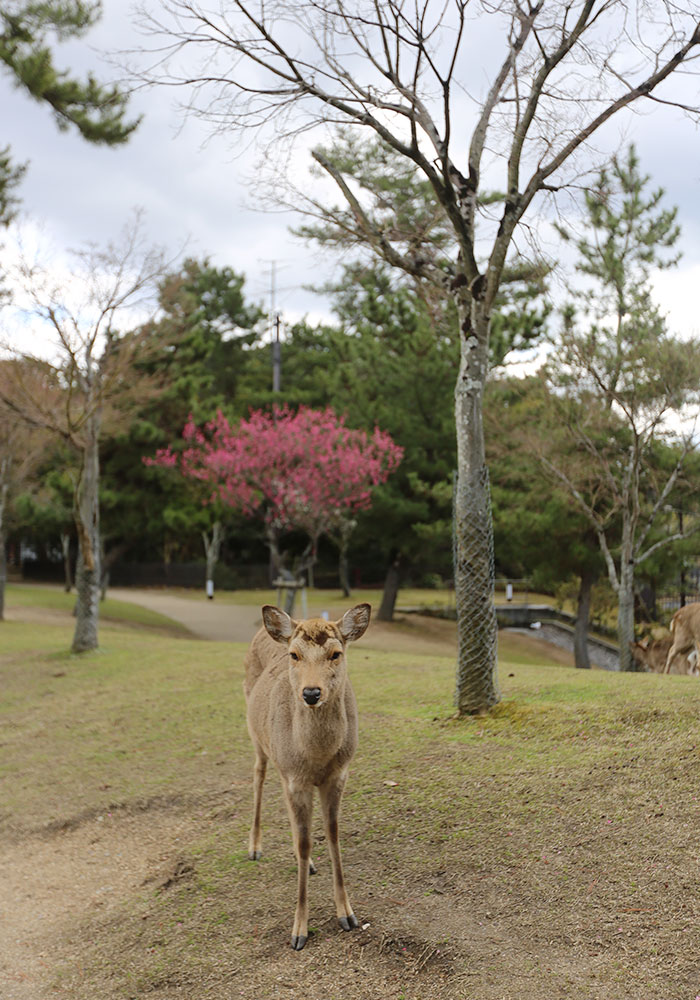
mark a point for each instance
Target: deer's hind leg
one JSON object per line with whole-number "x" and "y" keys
{"x": 676, "y": 648}
{"x": 255, "y": 839}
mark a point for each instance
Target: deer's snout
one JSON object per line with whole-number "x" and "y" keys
{"x": 311, "y": 695}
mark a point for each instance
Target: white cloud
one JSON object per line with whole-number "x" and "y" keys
{"x": 676, "y": 293}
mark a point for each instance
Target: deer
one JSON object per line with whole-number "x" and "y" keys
{"x": 685, "y": 633}
{"x": 652, "y": 654}
{"x": 302, "y": 715}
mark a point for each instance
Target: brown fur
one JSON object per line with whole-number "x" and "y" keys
{"x": 652, "y": 654}
{"x": 310, "y": 744}
{"x": 685, "y": 632}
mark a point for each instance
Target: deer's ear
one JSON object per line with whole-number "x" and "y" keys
{"x": 354, "y": 622}
{"x": 277, "y": 623}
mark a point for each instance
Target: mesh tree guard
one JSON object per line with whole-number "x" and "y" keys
{"x": 477, "y": 632}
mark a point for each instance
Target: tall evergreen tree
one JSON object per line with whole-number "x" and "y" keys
{"x": 198, "y": 353}
{"x": 98, "y": 112}
{"x": 618, "y": 376}
{"x": 538, "y": 531}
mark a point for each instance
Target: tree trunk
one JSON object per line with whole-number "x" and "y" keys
{"x": 391, "y": 589}
{"x": 625, "y": 614}
{"x": 3, "y": 559}
{"x": 473, "y": 531}
{"x": 65, "y": 549}
{"x": 108, "y": 560}
{"x": 347, "y": 526}
{"x": 290, "y": 600}
{"x": 583, "y": 617}
{"x": 275, "y": 556}
{"x": 340, "y": 536}
{"x": 212, "y": 550}
{"x": 87, "y": 519}
{"x": 344, "y": 571}
{"x": 3, "y": 573}
{"x": 87, "y": 607}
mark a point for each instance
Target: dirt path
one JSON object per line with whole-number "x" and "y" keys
{"x": 205, "y": 619}
{"x": 222, "y": 622}
{"x": 55, "y": 881}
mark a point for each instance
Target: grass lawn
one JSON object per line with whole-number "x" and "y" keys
{"x": 547, "y": 850}
{"x": 52, "y": 598}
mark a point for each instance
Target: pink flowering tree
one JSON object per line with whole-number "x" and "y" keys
{"x": 301, "y": 470}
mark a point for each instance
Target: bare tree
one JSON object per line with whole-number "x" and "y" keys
{"x": 413, "y": 74}
{"x": 91, "y": 384}
{"x": 21, "y": 449}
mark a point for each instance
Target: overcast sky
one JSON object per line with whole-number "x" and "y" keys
{"x": 198, "y": 191}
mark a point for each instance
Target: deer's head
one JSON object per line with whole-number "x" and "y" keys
{"x": 316, "y": 650}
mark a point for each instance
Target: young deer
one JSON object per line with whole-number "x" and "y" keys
{"x": 302, "y": 715}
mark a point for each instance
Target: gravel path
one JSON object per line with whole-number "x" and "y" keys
{"x": 205, "y": 619}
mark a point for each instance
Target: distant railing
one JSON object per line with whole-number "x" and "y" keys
{"x": 671, "y": 602}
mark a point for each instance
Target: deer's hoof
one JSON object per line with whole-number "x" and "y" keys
{"x": 349, "y": 923}
{"x": 298, "y": 941}
{"x": 254, "y": 855}
{"x": 312, "y": 868}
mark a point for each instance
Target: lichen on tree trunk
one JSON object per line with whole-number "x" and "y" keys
{"x": 477, "y": 631}
{"x": 87, "y": 607}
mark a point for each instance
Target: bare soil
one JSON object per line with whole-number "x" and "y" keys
{"x": 596, "y": 896}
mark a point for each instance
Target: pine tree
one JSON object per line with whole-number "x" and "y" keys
{"x": 98, "y": 112}
{"x": 617, "y": 376}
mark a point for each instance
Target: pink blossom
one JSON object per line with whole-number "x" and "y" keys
{"x": 302, "y": 470}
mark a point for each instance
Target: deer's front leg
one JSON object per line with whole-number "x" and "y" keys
{"x": 300, "y": 805}
{"x": 254, "y": 841}
{"x": 331, "y": 794}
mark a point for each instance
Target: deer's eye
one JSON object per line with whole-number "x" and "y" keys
{"x": 336, "y": 655}
{"x": 294, "y": 656}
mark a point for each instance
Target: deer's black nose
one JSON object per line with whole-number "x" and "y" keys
{"x": 311, "y": 695}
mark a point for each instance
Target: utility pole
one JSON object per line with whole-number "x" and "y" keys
{"x": 276, "y": 357}
{"x": 274, "y": 324}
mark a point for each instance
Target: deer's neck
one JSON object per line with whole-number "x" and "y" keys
{"x": 320, "y": 732}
